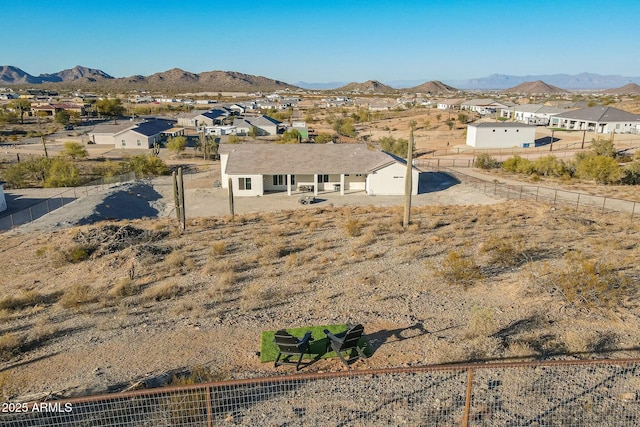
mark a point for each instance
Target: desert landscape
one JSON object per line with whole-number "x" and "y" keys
{"x": 110, "y": 305}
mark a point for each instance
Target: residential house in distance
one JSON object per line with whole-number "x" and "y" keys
{"x": 48, "y": 109}
{"x": 484, "y": 106}
{"x": 256, "y": 169}
{"x": 450, "y": 104}
{"x": 500, "y": 135}
{"x": 265, "y": 125}
{"x": 599, "y": 119}
{"x": 127, "y": 135}
{"x": 532, "y": 114}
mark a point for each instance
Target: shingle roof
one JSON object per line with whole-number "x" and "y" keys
{"x": 303, "y": 158}
{"x": 600, "y": 114}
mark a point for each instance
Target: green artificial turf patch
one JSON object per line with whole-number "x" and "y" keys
{"x": 269, "y": 350}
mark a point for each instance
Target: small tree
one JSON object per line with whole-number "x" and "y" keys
{"x": 146, "y": 165}
{"x": 233, "y": 139}
{"x": 450, "y": 123}
{"x": 485, "y": 161}
{"x": 603, "y": 147}
{"x": 74, "y": 150}
{"x": 22, "y": 106}
{"x": 177, "y": 145}
{"x": 324, "y": 137}
{"x": 110, "y": 108}
{"x": 292, "y": 136}
{"x": 62, "y": 173}
{"x": 63, "y": 117}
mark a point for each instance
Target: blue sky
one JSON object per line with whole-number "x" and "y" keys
{"x": 325, "y": 41}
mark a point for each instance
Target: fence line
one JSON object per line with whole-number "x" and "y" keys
{"x": 568, "y": 393}
{"x": 553, "y": 196}
{"x": 37, "y": 210}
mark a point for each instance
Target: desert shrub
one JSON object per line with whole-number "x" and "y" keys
{"x": 485, "y": 161}
{"x": 353, "y": 227}
{"x": 62, "y": 173}
{"x": 124, "y": 287}
{"x": 163, "y": 291}
{"x": 77, "y": 295}
{"x": 146, "y": 165}
{"x": 259, "y": 296}
{"x": 503, "y": 251}
{"x": 199, "y": 375}
{"x": 481, "y": 323}
{"x": 9, "y": 346}
{"x": 603, "y": 147}
{"x": 585, "y": 282}
{"x": 517, "y": 164}
{"x": 602, "y": 169}
{"x": 631, "y": 173}
{"x": 549, "y": 166}
{"x": 458, "y": 269}
{"x": 16, "y": 302}
{"x": 75, "y": 150}
{"x": 77, "y": 253}
{"x": 219, "y": 248}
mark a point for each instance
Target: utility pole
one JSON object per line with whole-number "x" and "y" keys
{"x": 408, "y": 180}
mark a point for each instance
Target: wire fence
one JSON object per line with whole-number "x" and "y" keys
{"x": 43, "y": 207}
{"x": 554, "y": 196}
{"x": 556, "y": 393}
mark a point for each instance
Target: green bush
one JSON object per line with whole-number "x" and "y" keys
{"x": 549, "y": 166}
{"x": 517, "y": 164}
{"x": 145, "y": 165}
{"x": 631, "y": 174}
{"x": 602, "y": 169}
{"x": 485, "y": 161}
{"x": 62, "y": 173}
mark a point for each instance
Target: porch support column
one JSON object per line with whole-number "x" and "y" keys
{"x": 342, "y": 184}
{"x": 288, "y": 184}
{"x": 315, "y": 184}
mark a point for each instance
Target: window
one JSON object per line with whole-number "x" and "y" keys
{"x": 282, "y": 180}
{"x": 138, "y": 142}
{"x": 124, "y": 143}
{"x": 323, "y": 178}
{"x": 245, "y": 183}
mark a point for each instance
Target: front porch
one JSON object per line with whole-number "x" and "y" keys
{"x": 316, "y": 184}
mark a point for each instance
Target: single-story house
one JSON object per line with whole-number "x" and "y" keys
{"x": 597, "y": 119}
{"x": 264, "y": 124}
{"x": 483, "y": 106}
{"x": 132, "y": 135}
{"x": 531, "y": 114}
{"x": 500, "y": 135}
{"x": 450, "y": 104}
{"x": 255, "y": 169}
{"x": 189, "y": 119}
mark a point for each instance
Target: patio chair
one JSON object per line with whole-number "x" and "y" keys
{"x": 291, "y": 346}
{"x": 346, "y": 341}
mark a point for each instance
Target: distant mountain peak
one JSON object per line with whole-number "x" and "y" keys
{"x": 536, "y": 87}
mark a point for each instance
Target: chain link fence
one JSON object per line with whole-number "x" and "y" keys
{"x": 554, "y": 196}
{"x": 63, "y": 198}
{"x": 557, "y": 393}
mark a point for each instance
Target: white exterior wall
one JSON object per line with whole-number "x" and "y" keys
{"x": 103, "y": 138}
{"x": 257, "y": 186}
{"x": 133, "y": 140}
{"x": 389, "y": 181}
{"x": 3, "y": 200}
{"x": 353, "y": 182}
{"x": 500, "y": 137}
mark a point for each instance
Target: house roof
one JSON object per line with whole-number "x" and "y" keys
{"x": 483, "y": 102}
{"x": 272, "y": 159}
{"x": 527, "y": 108}
{"x": 214, "y": 114}
{"x": 501, "y": 125}
{"x": 111, "y": 128}
{"x": 154, "y": 127}
{"x": 600, "y": 114}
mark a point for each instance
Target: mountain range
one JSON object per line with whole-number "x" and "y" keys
{"x": 180, "y": 80}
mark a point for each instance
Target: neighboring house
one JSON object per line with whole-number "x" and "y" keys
{"x": 189, "y": 119}
{"x": 3, "y": 200}
{"x": 531, "y": 114}
{"x": 265, "y": 125}
{"x": 52, "y": 109}
{"x": 133, "y": 135}
{"x": 500, "y": 135}
{"x": 483, "y": 106}
{"x": 220, "y": 130}
{"x": 213, "y": 117}
{"x": 597, "y": 119}
{"x": 450, "y": 104}
{"x": 255, "y": 169}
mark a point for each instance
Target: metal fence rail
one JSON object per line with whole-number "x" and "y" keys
{"x": 63, "y": 198}
{"x": 554, "y": 196}
{"x": 559, "y": 393}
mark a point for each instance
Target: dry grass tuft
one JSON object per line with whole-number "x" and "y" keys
{"x": 124, "y": 287}
{"x": 77, "y": 295}
{"x": 219, "y": 248}
{"x": 458, "y": 269}
{"x": 482, "y": 322}
{"x": 164, "y": 291}
{"x": 10, "y": 344}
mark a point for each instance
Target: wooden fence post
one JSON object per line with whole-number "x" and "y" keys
{"x": 467, "y": 404}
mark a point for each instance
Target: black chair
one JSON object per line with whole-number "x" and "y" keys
{"x": 291, "y": 346}
{"x": 346, "y": 341}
